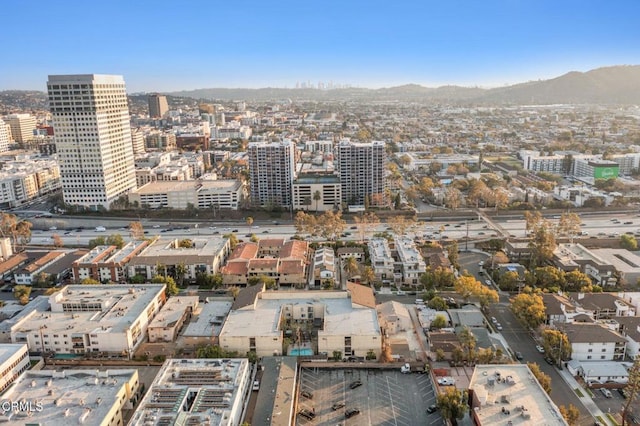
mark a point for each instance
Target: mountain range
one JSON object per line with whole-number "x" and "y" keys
{"x": 618, "y": 85}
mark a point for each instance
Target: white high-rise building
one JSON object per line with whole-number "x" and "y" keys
{"x": 272, "y": 171}
{"x": 93, "y": 138}
{"x": 362, "y": 171}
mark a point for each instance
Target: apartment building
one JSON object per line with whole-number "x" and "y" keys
{"x": 410, "y": 263}
{"x": 167, "y": 323}
{"x": 381, "y": 259}
{"x": 594, "y": 342}
{"x": 80, "y": 319}
{"x": 362, "y": 171}
{"x": 14, "y": 360}
{"x": 107, "y": 264}
{"x": 5, "y": 136}
{"x": 166, "y": 256}
{"x": 272, "y": 172}
{"x": 92, "y": 397}
{"x": 93, "y": 138}
{"x": 196, "y": 392}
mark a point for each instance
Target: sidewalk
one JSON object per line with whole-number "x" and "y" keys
{"x": 586, "y": 400}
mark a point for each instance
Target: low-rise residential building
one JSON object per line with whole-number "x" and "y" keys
{"x": 324, "y": 267}
{"x": 600, "y": 372}
{"x": 344, "y": 253}
{"x": 87, "y": 396}
{"x": 166, "y": 256}
{"x": 337, "y": 320}
{"x": 381, "y": 259}
{"x": 167, "y": 323}
{"x": 26, "y": 178}
{"x": 206, "y": 324}
{"x": 29, "y": 272}
{"x": 80, "y": 319}
{"x": 410, "y": 262}
{"x": 510, "y": 394}
{"x": 574, "y": 256}
{"x": 283, "y": 261}
{"x": 594, "y": 342}
{"x": 602, "y": 305}
{"x": 14, "y": 360}
{"x": 107, "y": 263}
{"x": 196, "y": 392}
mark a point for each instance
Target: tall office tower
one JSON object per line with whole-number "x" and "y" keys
{"x": 158, "y": 106}
{"x": 22, "y": 126}
{"x": 362, "y": 171}
{"x": 272, "y": 170}
{"x": 93, "y": 138}
{"x": 5, "y": 129}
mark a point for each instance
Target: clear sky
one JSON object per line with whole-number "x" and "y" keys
{"x": 187, "y": 44}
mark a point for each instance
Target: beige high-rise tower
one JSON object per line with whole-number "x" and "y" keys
{"x": 93, "y": 138}
{"x": 158, "y": 106}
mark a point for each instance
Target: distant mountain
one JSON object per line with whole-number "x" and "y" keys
{"x": 616, "y": 85}
{"x": 609, "y": 85}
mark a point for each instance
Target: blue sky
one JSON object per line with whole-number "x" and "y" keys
{"x": 164, "y": 46}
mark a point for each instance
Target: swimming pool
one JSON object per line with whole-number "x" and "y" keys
{"x": 301, "y": 352}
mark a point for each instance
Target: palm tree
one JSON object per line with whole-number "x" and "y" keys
{"x": 350, "y": 266}
{"x": 316, "y": 198}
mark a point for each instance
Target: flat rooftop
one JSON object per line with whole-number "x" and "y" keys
{"x": 509, "y": 394}
{"x": 70, "y": 394}
{"x": 7, "y": 350}
{"x": 173, "y": 310}
{"x": 209, "y": 319}
{"x": 166, "y": 251}
{"x": 194, "y": 391}
{"x": 621, "y": 259}
{"x": 156, "y": 187}
{"x": 107, "y": 309}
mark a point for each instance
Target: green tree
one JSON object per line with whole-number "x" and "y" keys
{"x": 556, "y": 345}
{"x": 452, "y": 252}
{"x": 350, "y": 266}
{"x": 570, "y": 414}
{"x": 89, "y": 281}
{"x": 22, "y": 293}
{"x": 468, "y": 341}
{"x": 115, "y": 240}
{"x": 437, "y": 303}
{"x": 181, "y": 271}
{"x": 542, "y": 378}
{"x": 233, "y": 240}
{"x": 529, "y": 309}
{"x": 569, "y": 225}
{"x": 214, "y": 351}
{"x": 452, "y": 403}
{"x": 576, "y": 280}
{"x": 249, "y": 221}
{"x": 171, "y": 287}
{"x": 550, "y": 276}
{"x": 509, "y": 281}
{"x": 628, "y": 242}
{"x": 185, "y": 243}
{"x": 367, "y": 275}
{"x": 98, "y": 241}
{"x": 337, "y": 356}
{"x": 632, "y": 389}
{"x": 439, "y": 322}
{"x": 542, "y": 244}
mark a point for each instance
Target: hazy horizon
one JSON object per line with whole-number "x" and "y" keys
{"x": 163, "y": 47}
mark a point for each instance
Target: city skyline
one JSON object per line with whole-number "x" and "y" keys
{"x": 202, "y": 45}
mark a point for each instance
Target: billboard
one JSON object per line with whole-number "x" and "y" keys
{"x": 606, "y": 172}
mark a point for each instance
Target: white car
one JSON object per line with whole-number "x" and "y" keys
{"x": 256, "y": 385}
{"x": 499, "y": 326}
{"x": 481, "y": 263}
{"x": 446, "y": 381}
{"x": 487, "y": 282}
{"x": 494, "y": 320}
{"x": 540, "y": 349}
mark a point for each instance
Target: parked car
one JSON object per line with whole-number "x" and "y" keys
{"x": 549, "y": 361}
{"x": 355, "y": 384}
{"x": 307, "y": 394}
{"x": 256, "y": 385}
{"x": 432, "y": 408}
{"x": 307, "y": 414}
{"x": 494, "y": 320}
{"x": 606, "y": 392}
{"x": 337, "y": 406}
{"x": 498, "y": 326}
{"x": 446, "y": 381}
{"x": 351, "y": 412}
{"x": 519, "y": 356}
{"x": 540, "y": 349}
{"x": 405, "y": 369}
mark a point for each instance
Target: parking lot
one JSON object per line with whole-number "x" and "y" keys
{"x": 614, "y": 405}
{"x": 385, "y": 397}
